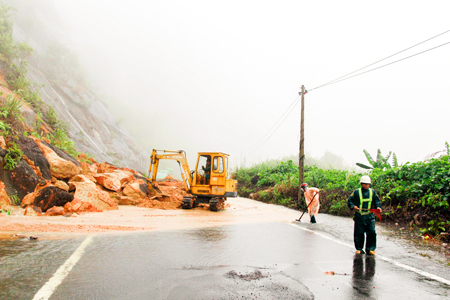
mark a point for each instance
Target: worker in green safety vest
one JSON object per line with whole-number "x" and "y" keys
{"x": 361, "y": 201}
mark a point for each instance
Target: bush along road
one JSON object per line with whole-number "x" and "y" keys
{"x": 414, "y": 195}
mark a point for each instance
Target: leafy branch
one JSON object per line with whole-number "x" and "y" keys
{"x": 382, "y": 162}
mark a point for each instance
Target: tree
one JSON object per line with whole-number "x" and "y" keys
{"x": 381, "y": 162}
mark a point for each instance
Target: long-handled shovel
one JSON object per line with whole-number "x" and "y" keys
{"x": 298, "y": 220}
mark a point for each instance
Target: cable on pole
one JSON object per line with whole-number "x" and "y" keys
{"x": 263, "y": 140}
{"x": 383, "y": 65}
{"x": 288, "y": 111}
{"x": 341, "y": 77}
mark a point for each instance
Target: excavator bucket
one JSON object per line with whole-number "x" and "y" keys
{"x": 153, "y": 189}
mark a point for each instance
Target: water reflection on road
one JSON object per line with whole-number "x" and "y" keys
{"x": 363, "y": 274}
{"x": 259, "y": 260}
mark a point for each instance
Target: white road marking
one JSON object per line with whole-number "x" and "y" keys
{"x": 406, "y": 267}
{"x": 47, "y": 290}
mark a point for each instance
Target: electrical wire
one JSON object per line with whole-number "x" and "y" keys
{"x": 276, "y": 128}
{"x": 288, "y": 109}
{"x": 338, "y": 79}
{"x": 262, "y": 141}
{"x": 383, "y": 65}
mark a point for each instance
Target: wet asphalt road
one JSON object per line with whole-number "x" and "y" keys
{"x": 271, "y": 260}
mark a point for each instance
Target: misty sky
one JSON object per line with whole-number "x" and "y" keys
{"x": 217, "y": 75}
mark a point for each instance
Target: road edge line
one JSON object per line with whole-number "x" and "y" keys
{"x": 406, "y": 267}
{"x": 50, "y": 286}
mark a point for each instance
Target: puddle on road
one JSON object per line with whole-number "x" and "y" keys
{"x": 247, "y": 277}
{"x": 212, "y": 234}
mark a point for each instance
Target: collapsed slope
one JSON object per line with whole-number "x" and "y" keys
{"x": 46, "y": 180}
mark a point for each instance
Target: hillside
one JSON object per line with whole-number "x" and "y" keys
{"x": 56, "y": 77}
{"x": 61, "y": 150}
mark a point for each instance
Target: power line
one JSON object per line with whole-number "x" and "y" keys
{"x": 383, "y": 65}
{"x": 338, "y": 79}
{"x": 288, "y": 111}
{"x": 262, "y": 141}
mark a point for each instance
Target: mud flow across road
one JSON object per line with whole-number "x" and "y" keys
{"x": 138, "y": 219}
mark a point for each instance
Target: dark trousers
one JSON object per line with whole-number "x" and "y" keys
{"x": 365, "y": 227}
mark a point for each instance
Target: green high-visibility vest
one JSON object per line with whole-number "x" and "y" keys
{"x": 366, "y": 200}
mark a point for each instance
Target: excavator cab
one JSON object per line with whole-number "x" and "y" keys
{"x": 210, "y": 182}
{"x": 203, "y": 172}
{"x": 207, "y": 183}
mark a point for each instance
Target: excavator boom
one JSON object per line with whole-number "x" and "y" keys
{"x": 179, "y": 156}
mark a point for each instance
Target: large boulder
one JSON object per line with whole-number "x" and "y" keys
{"x": 28, "y": 199}
{"x": 51, "y": 196}
{"x": 32, "y": 211}
{"x": 20, "y": 181}
{"x": 115, "y": 180}
{"x": 62, "y": 154}
{"x": 88, "y": 191}
{"x": 136, "y": 189}
{"x": 59, "y": 167}
{"x": 78, "y": 206}
{"x": 34, "y": 153}
{"x": 55, "y": 211}
{"x": 124, "y": 200}
{"x": 105, "y": 167}
{"x": 5, "y": 201}
{"x": 88, "y": 169}
{"x": 61, "y": 184}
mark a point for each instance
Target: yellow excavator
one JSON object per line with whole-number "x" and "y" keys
{"x": 208, "y": 183}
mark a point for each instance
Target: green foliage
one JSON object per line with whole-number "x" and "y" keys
{"x": 12, "y": 157}
{"x": 425, "y": 183}
{"x": 13, "y": 61}
{"x": 11, "y": 108}
{"x": 435, "y": 227}
{"x": 6, "y": 28}
{"x": 8, "y": 212}
{"x": 52, "y": 118}
{"x": 382, "y": 162}
{"x": 283, "y": 172}
{"x": 408, "y": 191}
{"x": 339, "y": 207}
{"x": 32, "y": 97}
{"x": 12, "y": 54}
{"x": 61, "y": 140}
{"x": 277, "y": 182}
{"x": 15, "y": 200}
{"x": 4, "y": 128}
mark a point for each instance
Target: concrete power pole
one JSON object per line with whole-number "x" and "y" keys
{"x": 301, "y": 156}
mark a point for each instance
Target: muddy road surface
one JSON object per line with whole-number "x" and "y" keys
{"x": 251, "y": 250}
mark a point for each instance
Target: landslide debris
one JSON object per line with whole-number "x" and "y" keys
{"x": 46, "y": 182}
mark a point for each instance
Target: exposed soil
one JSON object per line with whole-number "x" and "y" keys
{"x": 133, "y": 219}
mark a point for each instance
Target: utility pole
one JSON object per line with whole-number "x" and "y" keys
{"x": 301, "y": 156}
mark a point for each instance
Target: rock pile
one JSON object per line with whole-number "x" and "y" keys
{"x": 48, "y": 181}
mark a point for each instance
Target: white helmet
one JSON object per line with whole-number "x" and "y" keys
{"x": 365, "y": 179}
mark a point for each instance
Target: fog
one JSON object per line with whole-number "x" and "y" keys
{"x": 217, "y": 75}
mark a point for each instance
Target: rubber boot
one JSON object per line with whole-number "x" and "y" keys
{"x": 313, "y": 219}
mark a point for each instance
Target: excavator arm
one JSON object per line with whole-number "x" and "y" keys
{"x": 179, "y": 156}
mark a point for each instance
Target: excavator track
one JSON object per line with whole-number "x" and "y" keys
{"x": 216, "y": 204}
{"x": 188, "y": 203}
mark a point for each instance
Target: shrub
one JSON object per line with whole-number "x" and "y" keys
{"x": 12, "y": 157}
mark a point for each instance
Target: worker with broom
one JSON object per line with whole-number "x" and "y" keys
{"x": 312, "y": 201}
{"x": 364, "y": 202}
